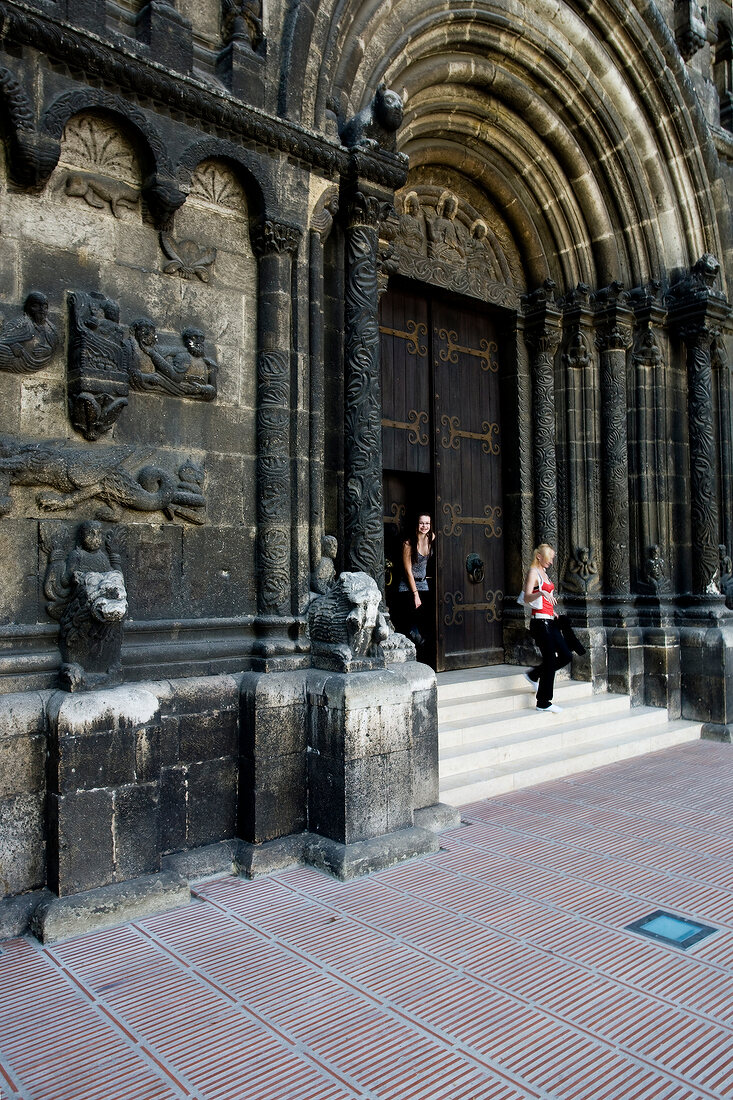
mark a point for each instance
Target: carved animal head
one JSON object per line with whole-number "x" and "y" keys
{"x": 387, "y": 108}
{"x": 104, "y": 594}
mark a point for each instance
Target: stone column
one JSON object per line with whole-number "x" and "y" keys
{"x": 542, "y": 333}
{"x": 274, "y": 245}
{"x": 722, "y": 382}
{"x": 321, "y": 224}
{"x": 613, "y": 338}
{"x": 363, "y": 509}
{"x": 695, "y": 313}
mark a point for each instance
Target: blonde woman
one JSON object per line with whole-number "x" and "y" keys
{"x": 539, "y": 594}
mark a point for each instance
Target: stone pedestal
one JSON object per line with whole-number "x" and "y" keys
{"x": 241, "y": 69}
{"x": 706, "y": 666}
{"x": 662, "y": 687}
{"x": 103, "y": 802}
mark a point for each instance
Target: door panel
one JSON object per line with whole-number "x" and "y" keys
{"x": 405, "y": 356}
{"x": 442, "y": 442}
{"x": 468, "y": 486}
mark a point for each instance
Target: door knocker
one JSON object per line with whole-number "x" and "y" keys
{"x": 475, "y": 568}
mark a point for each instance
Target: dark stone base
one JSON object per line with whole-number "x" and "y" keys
{"x": 254, "y": 860}
{"x": 437, "y": 818}
{"x": 210, "y": 859}
{"x": 713, "y": 732}
{"x": 16, "y": 914}
{"x": 61, "y": 918}
{"x": 347, "y": 861}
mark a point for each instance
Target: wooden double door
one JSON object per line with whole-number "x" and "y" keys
{"x": 442, "y": 454}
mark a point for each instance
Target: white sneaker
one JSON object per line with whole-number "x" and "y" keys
{"x": 532, "y": 683}
{"x": 552, "y": 709}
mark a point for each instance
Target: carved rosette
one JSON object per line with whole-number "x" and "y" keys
{"x": 363, "y": 413}
{"x": 274, "y": 244}
{"x": 703, "y": 470}
{"x": 612, "y": 343}
{"x": 543, "y": 342}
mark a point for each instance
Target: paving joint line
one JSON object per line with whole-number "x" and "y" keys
{"x": 129, "y": 1036}
{"x": 390, "y": 1009}
{"x": 262, "y": 1019}
{"x": 604, "y": 1043}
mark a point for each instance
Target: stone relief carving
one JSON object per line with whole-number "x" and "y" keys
{"x": 725, "y": 570}
{"x": 187, "y": 258}
{"x": 581, "y": 576}
{"x": 102, "y": 193}
{"x": 29, "y": 341}
{"x": 241, "y": 21}
{"x": 444, "y": 239}
{"x": 105, "y": 362}
{"x": 110, "y": 179}
{"x": 72, "y": 476}
{"x": 98, "y": 385}
{"x": 346, "y": 623}
{"x": 86, "y": 595}
{"x": 376, "y": 125}
{"x": 655, "y": 579}
{"x": 180, "y": 371}
{"x": 96, "y": 144}
{"x": 216, "y": 184}
{"x": 324, "y": 574}
{"x": 438, "y": 242}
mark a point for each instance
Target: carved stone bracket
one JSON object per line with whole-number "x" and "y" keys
{"x": 690, "y": 29}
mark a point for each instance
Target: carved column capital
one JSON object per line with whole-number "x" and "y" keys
{"x": 269, "y": 237}
{"x": 363, "y": 208}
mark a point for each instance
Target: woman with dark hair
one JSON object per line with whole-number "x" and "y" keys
{"x": 413, "y": 588}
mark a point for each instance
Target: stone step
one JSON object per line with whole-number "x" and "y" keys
{"x": 458, "y": 790}
{"x": 522, "y": 716}
{"x": 497, "y": 701}
{"x": 547, "y": 734}
{"x": 464, "y": 683}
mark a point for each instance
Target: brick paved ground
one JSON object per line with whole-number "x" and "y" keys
{"x": 497, "y": 969}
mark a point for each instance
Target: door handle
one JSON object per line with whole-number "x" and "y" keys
{"x": 475, "y": 568}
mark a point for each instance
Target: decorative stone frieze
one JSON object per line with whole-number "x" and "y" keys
{"x": 72, "y": 476}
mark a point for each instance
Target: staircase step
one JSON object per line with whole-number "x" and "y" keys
{"x": 458, "y": 790}
{"x": 521, "y": 715}
{"x": 518, "y": 697}
{"x": 548, "y": 733}
{"x": 464, "y": 683}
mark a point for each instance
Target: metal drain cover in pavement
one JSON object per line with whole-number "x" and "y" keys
{"x": 667, "y": 928}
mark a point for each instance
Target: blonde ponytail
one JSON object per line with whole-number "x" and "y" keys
{"x": 538, "y": 553}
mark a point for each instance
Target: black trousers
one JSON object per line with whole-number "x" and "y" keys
{"x": 549, "y": 640}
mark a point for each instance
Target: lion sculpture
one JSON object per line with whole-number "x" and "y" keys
{"x": 376, "y": 124}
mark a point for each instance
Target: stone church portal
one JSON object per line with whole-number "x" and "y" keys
{"x": 273, "y": 276}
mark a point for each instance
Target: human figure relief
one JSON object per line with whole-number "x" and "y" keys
{"x": 443, "y": 234}
{"x": 29, "y": 341}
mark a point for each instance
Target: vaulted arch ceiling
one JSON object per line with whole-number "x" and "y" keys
{"x": 576, "y": 120}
